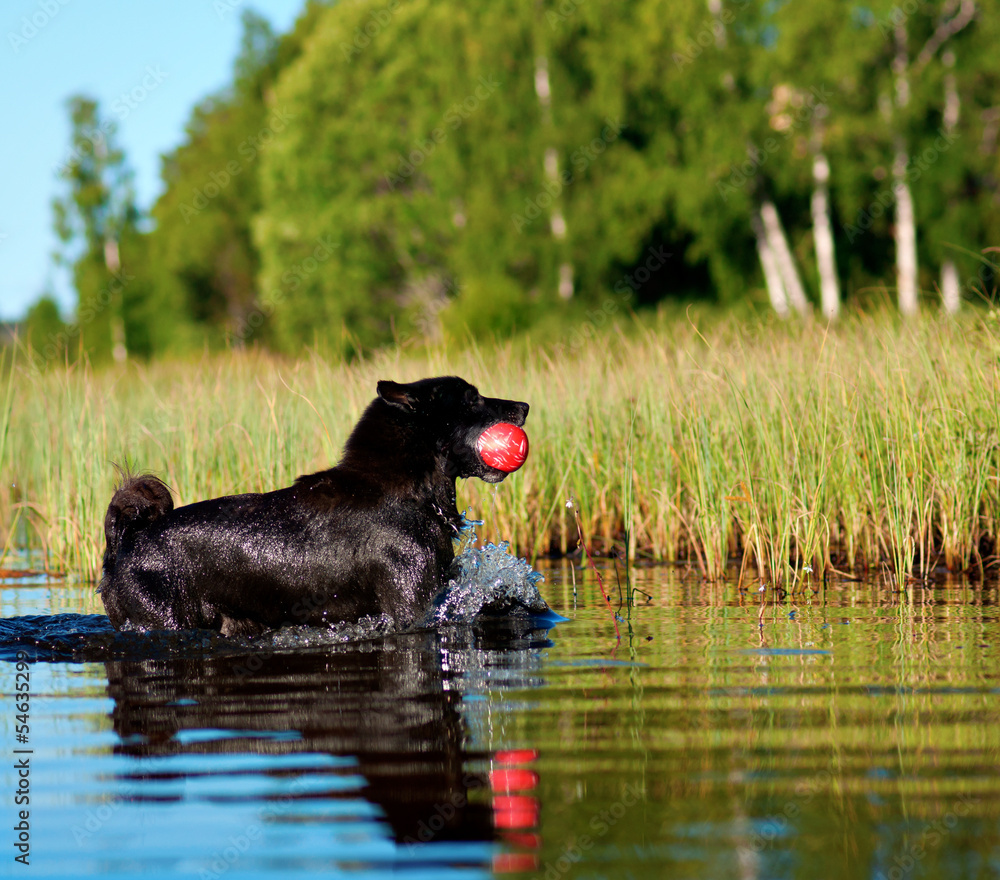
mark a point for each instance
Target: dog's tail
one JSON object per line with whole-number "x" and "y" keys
{"x": 138, "y": 501}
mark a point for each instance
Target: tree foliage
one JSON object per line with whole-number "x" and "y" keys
{"x": 92, "y": 218}
{"x": 395, "y": 169}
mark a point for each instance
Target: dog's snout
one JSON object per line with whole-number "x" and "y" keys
{"x": 513, "y": 411}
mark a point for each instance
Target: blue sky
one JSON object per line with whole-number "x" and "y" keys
{"x": 147, "y": 63}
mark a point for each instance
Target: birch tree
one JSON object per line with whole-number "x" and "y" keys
{"x": 905, "y": 228}
{"x": 951, "y": 295}
{"x": 90, "y": 220}
{"x": 557, "y": 221}
{"x": 781, "y": 253}
{"x": 776, "y": 293}
{"x": 956, "y": 15}
{"x": 826, "y": 263}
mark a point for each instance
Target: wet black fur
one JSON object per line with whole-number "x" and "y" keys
{"x": 372, "y": 535}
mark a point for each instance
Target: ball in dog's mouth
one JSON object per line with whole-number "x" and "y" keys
{"x": 503, "y": 446}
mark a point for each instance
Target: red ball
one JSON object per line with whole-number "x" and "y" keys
{"x": 503, "y": 446}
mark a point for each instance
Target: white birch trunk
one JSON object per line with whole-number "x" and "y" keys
{"x": 951, "y": 296}
{"x": 783, "y": 257}
{"x": 906, "y": 237}
{"x": 772, "y": 275}
{"x": 964, "y": 13}
{"x": 112, "y": 261}
{"x": 951, "y": 291}
{"x": 557, "y": 222}
{"x": 715, "y": 8}
{"x": 826, "y": 264}
{"x": 905, "y": 228}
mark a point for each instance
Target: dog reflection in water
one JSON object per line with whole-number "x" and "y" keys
{"x": 389, "y": 705}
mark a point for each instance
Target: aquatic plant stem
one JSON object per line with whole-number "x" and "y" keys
{"x": 6, "y": 404}
{"x": 597, "y": 574}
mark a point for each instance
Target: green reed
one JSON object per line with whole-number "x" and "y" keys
{"x": 872, "y": 444}
{"x": 6, "y": 405}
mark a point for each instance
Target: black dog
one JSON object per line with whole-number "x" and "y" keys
{"x": 371, "y": 536}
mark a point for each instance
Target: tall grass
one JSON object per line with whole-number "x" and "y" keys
{"x": 873, "y": 444}
{"x": 6, "y": 405}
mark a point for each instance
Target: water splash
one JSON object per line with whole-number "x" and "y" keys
{"x": 298, "y": 637}
{"x": 488, "y": 581}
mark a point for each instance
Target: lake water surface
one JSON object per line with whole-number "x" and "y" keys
{"x": 845, "y": 732}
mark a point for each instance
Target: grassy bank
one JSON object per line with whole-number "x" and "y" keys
{"x": 872, "y": 445}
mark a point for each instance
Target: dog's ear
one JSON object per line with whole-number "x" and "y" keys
{"x": 397, "y": 395}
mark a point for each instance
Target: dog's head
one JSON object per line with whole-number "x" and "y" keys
{"x": 451, "y": 415}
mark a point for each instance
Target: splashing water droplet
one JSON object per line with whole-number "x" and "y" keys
{"x": 487, "y": 581}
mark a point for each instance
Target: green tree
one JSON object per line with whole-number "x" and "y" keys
{"x": 357, "y": 184}
{"x": 368, "y": 197}
{"x": 447, "y": 188}
{"x": 45, "y": 331}
{"x": 202, "y": 241}
{"x": 91, "y": 219}
{"x": 207, "y": 264}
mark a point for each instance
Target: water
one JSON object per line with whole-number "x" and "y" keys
{"x": 488, "y": 581}
{"x": 846, "y": 732}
